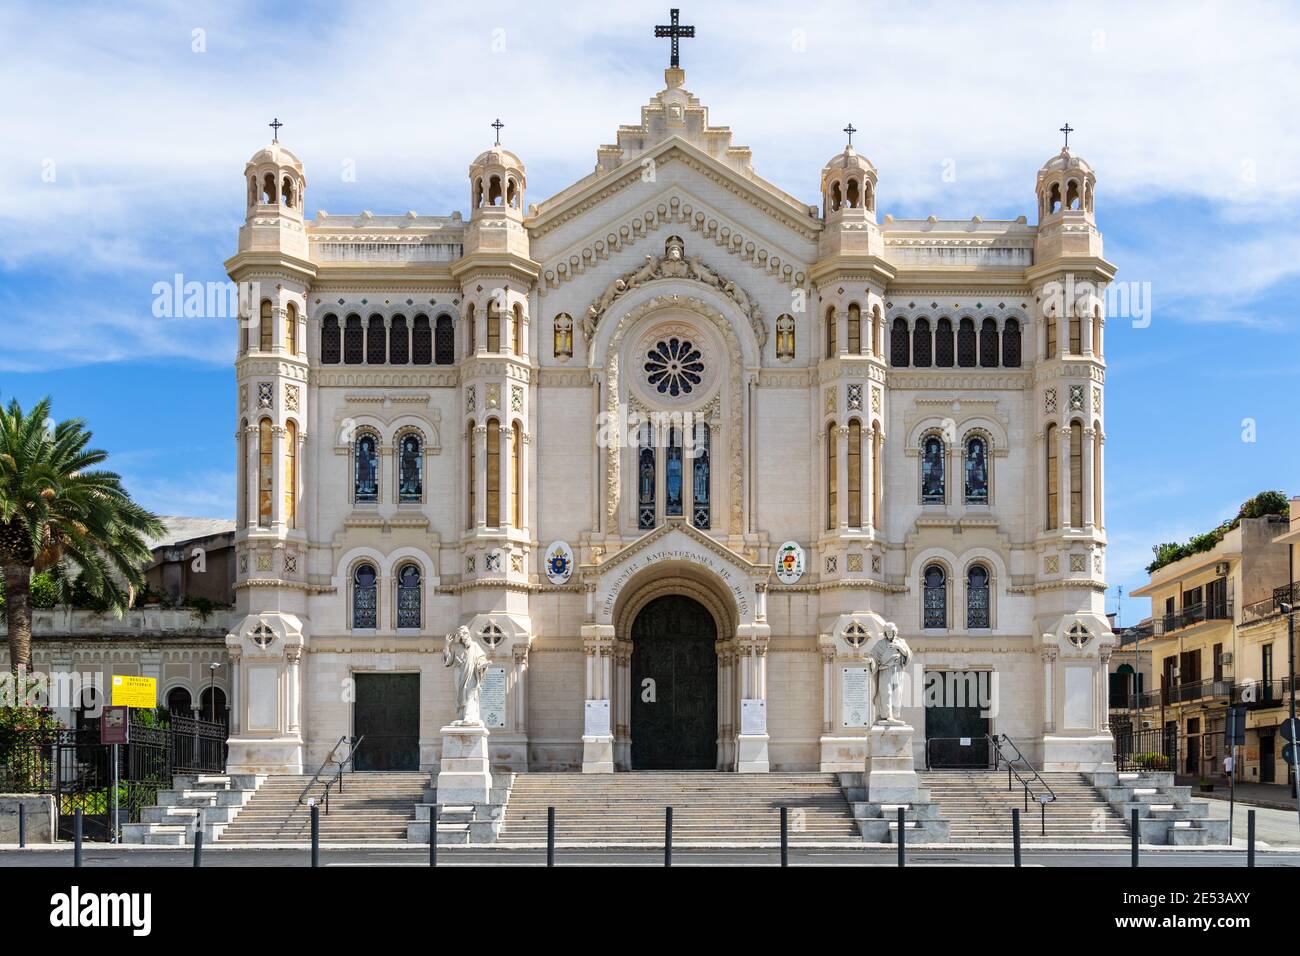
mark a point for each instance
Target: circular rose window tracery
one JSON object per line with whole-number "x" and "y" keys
{"x": 674, "y": 366}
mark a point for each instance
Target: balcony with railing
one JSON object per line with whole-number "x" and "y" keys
{"x": 1262, "y": 694}
{"x": 1201, "y": 690}
{"x": 1272, "y": 606}
{"x": 1192, "y": 615}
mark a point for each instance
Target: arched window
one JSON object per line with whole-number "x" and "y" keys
{"x": 1072, "y": 194}
{"x": 493, "y": 326}
{"x": 376, "y": 341}
{"x": 921, "y": 343}
{"x": 943, "y": 351}
{"x": 701, "y": 478}
{"x": 212, "y": 706}
{"x": 855, "y": 329}
{"x": 645, "y": 478}
{"x": 516, "y": 475}
{"x": 1076, "y": 332}
{"x": 330, "y": 352}
{"x": 563, "y": 336}
{"x": 399, "y": 341}
{"x": 291, "y": 329}
{"x": 785, "y": 337}
{"x": 268, "y": 189}
{"x": 877, "y": 332}
{"x": 1049, "y": 350}
{"x": 932, "y": 470}
{"x": 243, "y": 473}
{"x": 830, "y": 332}
{"x": 832, "y": 475}
{"x": 1096, "y": 475}
{"x": 470, "y": 320}
{"x": 1076, "y": 474}
{"x": 494, "y": 191}
{"x": 977, "y": 596}
{"x": 852, "y": 194}
{"x": 478, "y": 192}
{"x": 472, "y": 483}
{"x": 855, "y": 473}
{"x": 966, "y": 344}
{"x": 410, "y": 469}
{"x": 365, "y": 468}
{"x": 877, "y": 475}
{"x": 1054, "y": 198}
{"x": 252, "y": 190}
{"x": 354, "y": 340}
{"x": 674, "y": 491}
{"x": 988, "y": 344}
{"x": 1052, "y": 477}
{"x": 837, "y": 199}
{"x": 265, "y": 332}
{"x": 364, "y": 596}
{"x": 512, "y": 193}
{"x": 493, "y": 483}
{"x": 286, "y": 192}
{"x": 265, "y": 475}
{"x": 898, "y": 351}
{"x": 1096, "y": 331}
{"x": 444, "y": 341}
{"x": 408, "y": 596}
{"x": 179, "y": 702}
{"x": 517, "y": 329}
{"x": 977, "y": 471}
{"x": 421, "y": 341}
{"x": 1011, "y": 344}
{"x": 935, "y": 602}
{"x": 291, "y": 474}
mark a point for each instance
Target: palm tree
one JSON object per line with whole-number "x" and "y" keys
{"x": 58, "y": 513}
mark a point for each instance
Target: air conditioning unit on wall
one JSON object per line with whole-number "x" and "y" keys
{"x": 1225, "y": 657}
{"x": 1221, "y": 569}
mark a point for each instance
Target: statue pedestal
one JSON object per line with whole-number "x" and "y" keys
{"x": 891, "y": 768}
{"x": 463, "y": 776}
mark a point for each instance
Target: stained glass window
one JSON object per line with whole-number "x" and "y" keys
{"x": 408, "y": 596}
{"x": 674, "y": 367}
{"x": 645, "y": 480}
{"x": 977, "y": 596}
{"x": 785, "y": 337}
{"x": 563, "y": 336}
{"x": 936, "y": 597}
{"x": 673, "y": 489}
{"x": 410, "y": 483}
{"x": 364, "y": 596}
{"x": 932, "y": 477}
{"x": 366, "y": 465}
{"x": 977, "y": 471}
{"x": 700, "y": 485}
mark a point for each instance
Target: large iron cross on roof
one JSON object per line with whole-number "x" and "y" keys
{"x": 675, "y": 32}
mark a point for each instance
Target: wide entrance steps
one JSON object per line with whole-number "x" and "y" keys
{"x": 977, "y": 806}
{"x": 373, "y": 808}
{"x": 707, "y": 808}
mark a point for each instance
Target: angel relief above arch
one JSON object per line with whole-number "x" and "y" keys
{"x": 674, "y": 264}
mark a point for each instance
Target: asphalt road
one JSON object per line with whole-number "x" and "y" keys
{"x": 107, "y": 856}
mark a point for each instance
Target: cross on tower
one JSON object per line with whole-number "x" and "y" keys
{"x": 275, "y": 125}
{"x": 1067, "y": 129}
{"x": 850, "y": 130}
{"x": 496, "y": 125}
{"x": 675, "y": 32}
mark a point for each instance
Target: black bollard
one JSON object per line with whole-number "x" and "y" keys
{"x": 668, "y": 836}
{"x": 198, "y": 846}
{"x": 76, "y": 838}
{"x": 315, "y": 835}
{"x": 785, "y": 837}
{"x": 1015, "y": 834}
{"x": 22, "y": 825}
{"x": 550, "y": 836}
{"x": 433, "y": 835}
{"x": 1133, "y": 825}
{"x": 902, "y": 837}
{"x": 1250, "y": 837}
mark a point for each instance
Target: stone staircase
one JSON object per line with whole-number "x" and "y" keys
{"x": 373, "y": 808}
{"x": 628, "y": 808}
{"x": 212, "y": 799}
{"x": 1167, "y": 814}
{"x": 462, "y": 824}
{"x": 977, "y": 806}
{"x": 878, "y": 821}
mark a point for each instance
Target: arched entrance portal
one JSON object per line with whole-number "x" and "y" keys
{"x": 674, "y": 711}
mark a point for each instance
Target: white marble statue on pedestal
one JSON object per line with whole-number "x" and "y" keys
{"x": 888, "y": 659}
{"x": 471, "y": 666}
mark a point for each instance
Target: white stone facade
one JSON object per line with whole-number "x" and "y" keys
{"x": 549, "y": 315}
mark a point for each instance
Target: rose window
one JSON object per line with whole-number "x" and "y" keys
{"x": 674, "y": 367}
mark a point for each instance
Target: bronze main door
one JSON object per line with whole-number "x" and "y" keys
{"x": 674, "y": 687}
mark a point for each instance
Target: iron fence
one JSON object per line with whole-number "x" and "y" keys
{"x": 1145, "y": 749}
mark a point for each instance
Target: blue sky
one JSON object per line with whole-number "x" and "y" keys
{"x": 122, "y": 156}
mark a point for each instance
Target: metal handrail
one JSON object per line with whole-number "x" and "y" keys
{"x": 329, "y": 759}
{"x": 1011, "y": 770}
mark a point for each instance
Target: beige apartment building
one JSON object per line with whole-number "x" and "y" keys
{"x": 1216, "y": 637}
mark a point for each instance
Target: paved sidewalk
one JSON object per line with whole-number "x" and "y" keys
{"x": 1275, "y": 796}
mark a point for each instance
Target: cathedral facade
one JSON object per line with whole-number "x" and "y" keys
{"x": 674, "y": 446}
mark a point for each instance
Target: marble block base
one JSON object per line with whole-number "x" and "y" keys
{"x": 891, "y": 768}
{"x": 598, "y": 753}
{"x": 751, "y": 753}
{"x": 1094, "y": 753}
{"x": 463, "y": 775}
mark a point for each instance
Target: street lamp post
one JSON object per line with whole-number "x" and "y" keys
{"x": 1289, "y": 610}
{"x": 212, "y": 692}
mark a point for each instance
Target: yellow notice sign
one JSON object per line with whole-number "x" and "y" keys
{"x": 135, "y": 691}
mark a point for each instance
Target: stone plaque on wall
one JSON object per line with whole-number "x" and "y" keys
{"x": 753, "y": 716}
{"x": 597, "y": 719}
{"x": 492, "y": 701}
{"x": 855, "y": 696}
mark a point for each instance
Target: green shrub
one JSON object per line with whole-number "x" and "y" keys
{"x": 1264, "y": 503}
